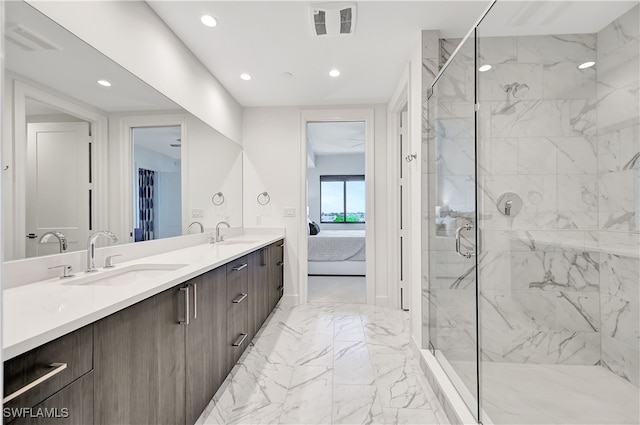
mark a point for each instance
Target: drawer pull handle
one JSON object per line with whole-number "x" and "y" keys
{"x": 239, "y": 298}
{"x": 186, "y": 306}
{"x": 239, "y": 267}
{"x": 238, "y": 342}
{"x": 59, "y": 367}
{"x": 281, "y": 245}
{"x": 195, "y": 300}
{"x": 280, "y": 288}
{"x": 280, "y": 263}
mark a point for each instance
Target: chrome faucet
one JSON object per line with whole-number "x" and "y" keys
{"x": 91, "y": 248}
{"x": 218, "y": 237}
{"x": 199, "y": 224}
{"x": 62, "y": 239}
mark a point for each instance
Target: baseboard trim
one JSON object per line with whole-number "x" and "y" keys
{"x": 382, "y": 301}
{"x": 338, "y": 275}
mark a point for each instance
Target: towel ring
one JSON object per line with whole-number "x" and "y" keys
{"x": 217, "y": 199}
{"x": 263, "y": 198}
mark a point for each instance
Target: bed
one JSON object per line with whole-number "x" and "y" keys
{"x": 337, "y": 252}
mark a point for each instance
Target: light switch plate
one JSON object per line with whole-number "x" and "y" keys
{"x": 289, "y": 212}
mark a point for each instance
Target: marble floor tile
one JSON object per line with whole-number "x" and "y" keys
{"x": 309, "y": 397}
{"x": 337, "y": 289}
{"x": 328, "y": 363}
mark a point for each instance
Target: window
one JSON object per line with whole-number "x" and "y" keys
{"x": 342, "y": 199}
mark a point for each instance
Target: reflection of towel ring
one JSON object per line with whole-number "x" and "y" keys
{"x": 263, "y": 198}
{"x": 217, "y": 199}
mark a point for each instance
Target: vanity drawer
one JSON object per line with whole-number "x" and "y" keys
{"x": 237, "y": 287}
{"x": 237, "y": 341}
{"x": 47, "y": 369}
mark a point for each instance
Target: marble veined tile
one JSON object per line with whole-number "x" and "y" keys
{"x": 616, "y": 191}
{"x": 578, "y": 311}
{"x": 518, "y": 310}
{"x": 316, "y": 349}
{"x": 410, "y": 416}
{"x": 537, "y": 155}
{"x": 356, "y": 404}
{"x": 621, "y": 359}
{"x": 497, "y": 50}
{"x": 309, "y": 397}
{"x": 621, "y": 319}
{"x": 541, "y": 347}
{"x": 352, "y": 364}
{"x": 577, "y": 155}
{"x": 557, "y": 48}
{"x": 620, "y": 32}
{"x": 577, "y": 192}
{"x": 492, "y": 86}
{"x": 564, "y": 80}
{"x": 397, "y": 383}
{"x": 619, "y": 277}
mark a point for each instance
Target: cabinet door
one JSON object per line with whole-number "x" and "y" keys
{"x": 140, "y": 363}
{"x": 71, "y": 405}
{"x": 206, "y": 337}
{"x": 276, "y": 267}
{"x": 258, "y": 290}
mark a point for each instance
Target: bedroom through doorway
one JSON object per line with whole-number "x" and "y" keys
{"x": 336, "y": 211}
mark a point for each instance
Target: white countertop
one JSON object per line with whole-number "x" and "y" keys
{"x": 39, "y": 312}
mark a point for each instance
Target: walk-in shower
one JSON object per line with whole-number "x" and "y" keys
{"x": 533, "y": 224}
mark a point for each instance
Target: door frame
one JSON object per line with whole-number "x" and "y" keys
{"x": 124, "y": 169}
{"x": 398, "y": 103}
{"x": 333, "y": 115}
{"x": 98, "y": 124}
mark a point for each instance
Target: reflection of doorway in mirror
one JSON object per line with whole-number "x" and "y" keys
{"x": 57, "y": 185}
{"x": 157, "y": 211}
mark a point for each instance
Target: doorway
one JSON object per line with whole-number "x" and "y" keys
{"x": 157, "y": 194}
{"x": 336, "y": 211}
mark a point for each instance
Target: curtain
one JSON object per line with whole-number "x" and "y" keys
{"x": 145, "y": 202}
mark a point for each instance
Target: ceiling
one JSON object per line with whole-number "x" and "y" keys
{"x": 335, "y": 138}
{"x": 159, "y": 139}
{"x": 269, "y": 38}
{"x": 73, "y": 67}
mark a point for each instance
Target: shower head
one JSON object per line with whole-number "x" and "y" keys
{"x": 516, "y": 89}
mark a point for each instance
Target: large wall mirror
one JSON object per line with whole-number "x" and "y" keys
{"x": 87, "y": 146}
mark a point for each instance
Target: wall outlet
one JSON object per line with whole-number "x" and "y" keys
{"x": 197, "y": 213}
{"x": 289, "y": 212}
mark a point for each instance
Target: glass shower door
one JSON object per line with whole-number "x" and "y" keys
{"x": 453, "y": 320}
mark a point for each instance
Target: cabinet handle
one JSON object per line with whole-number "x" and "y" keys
{"x": 280, "y": 263}
{"x": 59, "y": 367}
{"x": 263, "y": 258}
{"x": 239, "y": 298}
{"x": 186, "y": 306}
{"x": 280, "y": 288}
{"x": 239, "y": 267}
{"x": 195, "y": 300}
{"x": 281, "y": 245}
{"x": 238, "y": 342}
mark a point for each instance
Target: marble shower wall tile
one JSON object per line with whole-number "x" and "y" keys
{"x": 550, "y": 49}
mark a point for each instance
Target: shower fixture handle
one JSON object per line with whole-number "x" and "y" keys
{"x": 459, "y": 230}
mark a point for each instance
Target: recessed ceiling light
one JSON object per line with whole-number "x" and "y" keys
{"x": 586, "y": 65}
{"x": 104, "y": 83}
{"x": 485, "y": 68}
{"x": 209, "y": 20}
{"x": 245, "y": 77}
{"x": 334, "y": 73}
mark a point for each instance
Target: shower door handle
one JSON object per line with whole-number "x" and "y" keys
{"x": 459, "y": 230}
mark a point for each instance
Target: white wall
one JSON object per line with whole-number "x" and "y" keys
{"x": 327, "y": 165}
{"x": 271, "y": 143}
{"x": 125, "y": 31}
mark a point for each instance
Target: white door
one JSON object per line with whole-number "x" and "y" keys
{"x": 58, "y": 185}
{"x": 404, "y": 213}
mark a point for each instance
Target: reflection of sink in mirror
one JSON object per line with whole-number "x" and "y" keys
{"x": 236, "y": 242}
{"x": 125, "y": 275}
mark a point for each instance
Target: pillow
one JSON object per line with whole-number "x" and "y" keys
{"x": 314, "y": 229}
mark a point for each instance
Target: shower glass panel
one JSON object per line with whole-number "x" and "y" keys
{"x": 452, "y": 232}
{"x": 559, "y": 208}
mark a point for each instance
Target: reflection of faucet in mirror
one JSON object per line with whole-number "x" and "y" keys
{"x": 507, "y": 207}
{"x": 199, "y": 224}
{"x": 91, "y": 248}
{"x": 62, "y": 239}
{"x": 220, "y": 238}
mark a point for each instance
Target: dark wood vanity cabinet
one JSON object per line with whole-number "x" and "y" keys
{"x": 59, "y": 368}
{"x": 206, "y": 335}
{"x": 159, "y": 361}
{"x": 140, "y": 363}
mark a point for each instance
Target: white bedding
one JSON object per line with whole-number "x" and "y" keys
{"x": 337, "y": 245}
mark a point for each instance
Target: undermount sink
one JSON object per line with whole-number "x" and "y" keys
{"x": 236, "y": 242}
{"x": 125, "y": 275}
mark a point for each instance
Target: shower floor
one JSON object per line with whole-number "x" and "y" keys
{"x": 553, "y": 394}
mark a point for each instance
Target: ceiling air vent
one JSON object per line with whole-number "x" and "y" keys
{"x": 27, "y": 39}
{"x": 332, "y": 19}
